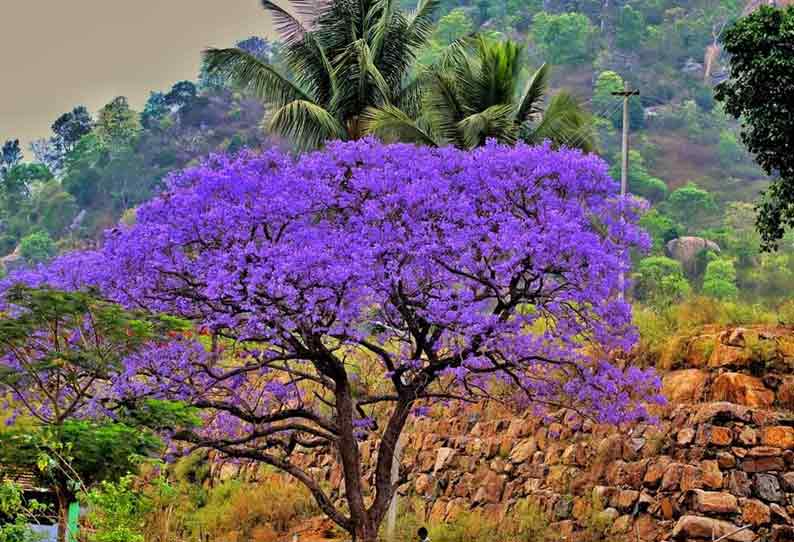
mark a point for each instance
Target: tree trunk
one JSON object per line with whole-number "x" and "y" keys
{"x": 63, "y": 513}
{"x": 367, "y": 532}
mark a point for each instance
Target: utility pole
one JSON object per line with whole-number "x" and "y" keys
{"x": 391, "y": 516}
{"x": 626, "y": 93}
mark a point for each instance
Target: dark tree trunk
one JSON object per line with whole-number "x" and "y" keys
{"x": 62, "y": 496}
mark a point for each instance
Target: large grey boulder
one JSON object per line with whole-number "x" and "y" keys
{"x": 686, "y": 250}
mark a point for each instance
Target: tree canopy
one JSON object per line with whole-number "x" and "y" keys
{"x": 761, "y": 93}
{"x": 363, "y": 267}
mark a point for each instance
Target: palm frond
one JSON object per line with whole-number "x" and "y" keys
{"x": 246, "y": 71}
{"x": 305, "y": 123}
{"x": 495, "y": 122}
{"x": 311, "y": 10}
{"x": 565, "y": 123}
{"x": 390, "y": 123}
{"x": 286, "y": 24}
{"x": 443, "y": 106}
{"x": 312, "y": 68}
{"x": 537, "y": 86}
{"x": 381, "y": 28}
{"x": 421, "y": 22}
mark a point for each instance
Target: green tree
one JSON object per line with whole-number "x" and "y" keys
{"x": 760, "y": 91}
{"x": 630, "y": 28}
{"x": 691, "y": 205}
{"x": 117, "y": 512}
{"x": 58, "y": 383}
{"x": 640, "y": 181}
{"x": 720, "y": 279}
{"x": 473, "y": 97}
{"x": 343, "y": 58}
{"x": 661, "y": 228}
{"x": 37, "y": 247}
{"x": 117, "y": 125}
{"x": 604, "y": 102}
{"x": 52, "y": 208}
{"x": 453, "y": 26}
{"x": 660, "y": 281}
{"x": 562, "y": 38}
{"x": 15, "y": 514}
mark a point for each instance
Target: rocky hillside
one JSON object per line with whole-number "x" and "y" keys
{"x": 720, "y": 458}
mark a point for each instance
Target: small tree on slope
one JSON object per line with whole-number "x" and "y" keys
{"x": 445, "y": 270}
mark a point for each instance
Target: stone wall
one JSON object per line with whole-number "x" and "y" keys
{"x": 721, "y": 456}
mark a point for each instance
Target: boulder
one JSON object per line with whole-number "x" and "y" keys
{"x": 778, "y": 436}
{"x": 524, "y": 450}
{"x": 686, "y": 250}
{"x": 699, "y": 527}
{"x": 444, "y": 457}
{"x": 741, "y": 389}
{"x": 767, "y": 488}
{"x": 755, "y": 512}
{"x": 685, "y": 386}
{"x": 714, "y": 502}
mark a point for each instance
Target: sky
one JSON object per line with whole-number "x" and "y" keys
{"x": 61, "y": 53}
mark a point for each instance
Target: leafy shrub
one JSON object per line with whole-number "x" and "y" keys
{"x": 116, "y": 512}
{"x": 255, "y": 511}
{"x": 16, "y": 513}
{"x": 720, "y": 279}
{"x": 37, "y": 247}
{"x": 660, "y": 280}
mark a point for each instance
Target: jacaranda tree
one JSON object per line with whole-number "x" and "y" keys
{"x": 342, "y": 292}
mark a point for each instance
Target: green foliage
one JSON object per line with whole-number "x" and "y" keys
{"x": 660, "y": 280}
{"x": 762, "y": 58}
{"x": 729, "y": 149}
{"x": 17, "y": 512}
{"x": 661, "y": 227}
{"x": 630, "y": 27}
{"x": 117, "y": 125}
{"x": 37, "y": 247}
{"x": 116, "y": 511}
{"x": 564, "y": 38}
{"x": 640, "y": 181}
{"x": 604, "y": 102}
{"x": 719, "y": 281}
{"x": 453, "y": 26}
{"x": 472, "y": 97}
{"x": 691, "y": 205}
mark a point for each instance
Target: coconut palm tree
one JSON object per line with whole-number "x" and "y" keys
{"x": 471, "y": 96}
{"x": 343, "y": 56}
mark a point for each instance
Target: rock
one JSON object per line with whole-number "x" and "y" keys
{"x": 685, "y": 436}
{"x": 778, "y": 436}
{"x": 728, "y": 356}
{"x": 714, "y": 435}
{"x": 722, "y": 411}
{"x": 755, "y": 512}
{"x": 620, "y": 525}
{"x": 699, "y": 350}
{"x": 444, "y": 457}
{"x": 685, "y": 386}
{"x": 524, "y": 450}
{"x": 563, "y": 508}
{"x": 788, "y": 482}
{"x": 779, "y": 514}
{"x": 739, "y": 483}
{"x": 741, "y": 389}
{"x": 785, "y": 393}
{"x": 782, "y": 533}
{"x": 710, "y": 472}
{"x": 736, "y": 337}
{"x": 686, "y": 250}
{"x": 656, "y": 470}
{"x": 766, "y": 487}
{"x": 726, "y": 460}
{"x": 671, "y": 480}
{"x": 625, "y": 499}
{"x": 699, "y": 527}
{"x": 762, "y": 464}
{"x": 714, "y": 502}
{"x": 423, "y": 484}
{"x": 491, "y": 489}
{"x": 748, "y": 436}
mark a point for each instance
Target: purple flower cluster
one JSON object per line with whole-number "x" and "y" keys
{"x": 449, "y": 268}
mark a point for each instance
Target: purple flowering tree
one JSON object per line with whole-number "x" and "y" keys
{"x": 346, "y": 290}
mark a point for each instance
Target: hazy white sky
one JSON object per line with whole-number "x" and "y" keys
{"x": 61, "y": 53}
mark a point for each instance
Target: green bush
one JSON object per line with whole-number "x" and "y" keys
{"x": 116, "y": 512}
{"x": 37, "y": 247}
{"x": 719, "y": 281}
{"x": 660, "y": 281}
